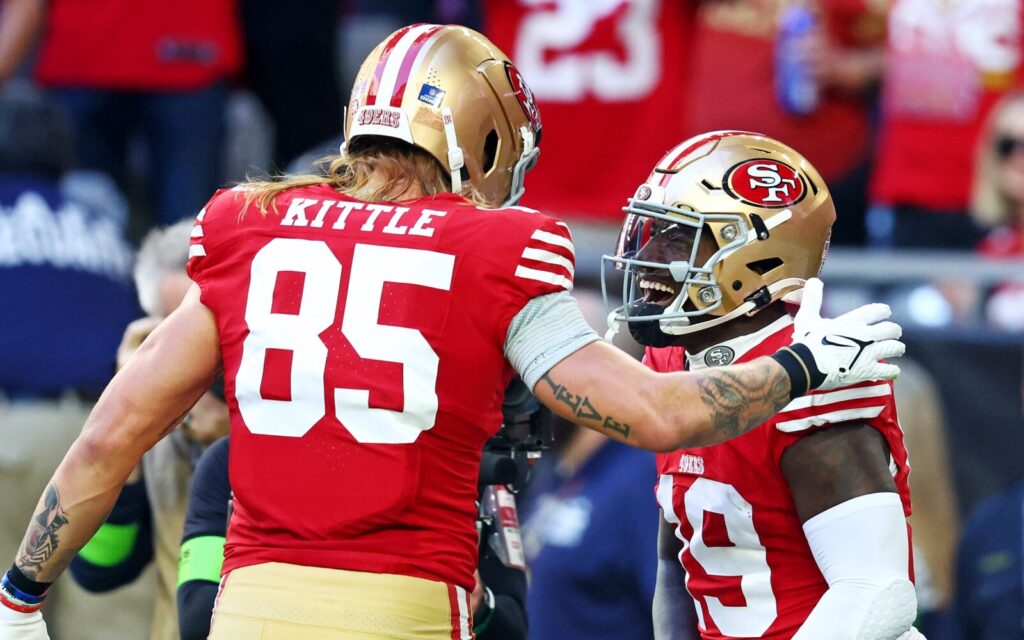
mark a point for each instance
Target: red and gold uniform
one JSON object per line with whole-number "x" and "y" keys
{"x": 749, "y": 567}
{"x": 363, "y": 350}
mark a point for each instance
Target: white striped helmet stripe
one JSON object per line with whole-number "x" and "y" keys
{"x": 394, "y": 64}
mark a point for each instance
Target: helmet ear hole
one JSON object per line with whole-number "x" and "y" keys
{"x": 761, "y": 267}
{"x": 490, "y": 151}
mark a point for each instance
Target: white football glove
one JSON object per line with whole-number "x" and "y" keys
{"x": 15, "y": 625}
{"x": 839, "y": 352}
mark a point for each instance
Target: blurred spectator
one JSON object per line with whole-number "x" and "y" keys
{"x": 934, "y": 522}
{"x": 990, "y": 570}
{"x": 590, "y": 531}
{"x": 734, "y": 73}
{"x": 610, "y": 80}
{"x": 123, "y": 68}
{"x": 997, "y": 203}
{"x": 64, "y": 290}
{"x": 147, "y": 522}
{"x": 947, "y": 63}
{"x": 290, "y": 66}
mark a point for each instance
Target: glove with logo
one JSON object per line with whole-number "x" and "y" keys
{"x": 828, "y": 353}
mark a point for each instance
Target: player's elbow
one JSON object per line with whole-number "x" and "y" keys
{"x": 889, "y": 606}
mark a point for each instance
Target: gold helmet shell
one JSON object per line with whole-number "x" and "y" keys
{"x": 765, "y": 209}
{"x": 449, "y": 91}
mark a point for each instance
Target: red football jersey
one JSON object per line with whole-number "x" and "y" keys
{"x": 364, "y": 369}
{"x": 748, "y": 565}
{"x": 610, "y": 79}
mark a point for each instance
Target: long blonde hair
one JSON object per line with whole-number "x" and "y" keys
{"x": 989, "y": 206}
{"x": 378, "y": 170}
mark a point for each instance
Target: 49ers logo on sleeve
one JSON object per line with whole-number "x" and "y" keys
{"x": 765, "y": 183}
{"x": 524, "y": 95}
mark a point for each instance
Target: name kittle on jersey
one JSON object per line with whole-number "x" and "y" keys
{"x": 383, "y": 218}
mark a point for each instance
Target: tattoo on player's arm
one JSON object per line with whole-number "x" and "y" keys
{"x": 584, "y": 409}
{"x": 741, "y": 398}
{"x": 42, "y": 540}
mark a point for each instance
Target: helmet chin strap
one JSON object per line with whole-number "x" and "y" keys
{"x": 456, "y": 159}
{"x": 682, "y": 326}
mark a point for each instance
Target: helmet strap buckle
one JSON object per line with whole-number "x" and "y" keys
{"x": 456, "y": 159}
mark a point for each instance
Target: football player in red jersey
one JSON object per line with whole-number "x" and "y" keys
{"x": 797, "y": 529}
{"x": 367, "y": 321}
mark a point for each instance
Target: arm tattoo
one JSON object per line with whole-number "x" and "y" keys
{"x": 41, "y": 541}
{"x": 584, "y": 409}
{"x": 741, "y": 399}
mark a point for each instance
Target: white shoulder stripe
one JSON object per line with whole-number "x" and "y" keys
{"x": 544, "y": 276}
{"x": 201, "y": 215}
{"x": 552, "y": 238}
{"x": 842, "y": 395}
{"x": 791, "y": 426}
{"x": 540, "y": 255}
{"x": 197, "y": 231}
{"x": 196, "y": 250}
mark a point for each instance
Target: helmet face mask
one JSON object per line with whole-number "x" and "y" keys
{"x": 758, "y": 218}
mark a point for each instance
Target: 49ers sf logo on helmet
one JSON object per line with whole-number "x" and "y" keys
{"x": 765, "y": 183}
{"x": 524, "y": 95}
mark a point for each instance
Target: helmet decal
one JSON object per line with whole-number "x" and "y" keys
{"x": 524, "y": 95}
{"x": 766, "y": 183}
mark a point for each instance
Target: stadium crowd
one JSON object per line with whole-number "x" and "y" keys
{"x": 119, "y": 119}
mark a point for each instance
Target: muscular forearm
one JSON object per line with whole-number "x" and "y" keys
{"x": 663, "y": 412}
{"x": 74, "y": 505}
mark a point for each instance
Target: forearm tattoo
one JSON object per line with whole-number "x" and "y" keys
{"x": 583, "y": 408}
{"x": 743, "y": 397}
{"x": 42, "y": 540}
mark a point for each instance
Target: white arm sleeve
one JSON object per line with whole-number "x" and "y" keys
{"x": 862, "y": 549}
{"x": 546, "y": 330}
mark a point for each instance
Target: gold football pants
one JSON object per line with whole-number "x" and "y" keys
{"x": 277, "y": 601}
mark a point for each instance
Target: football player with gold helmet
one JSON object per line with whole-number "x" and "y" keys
{"x": 796, "y": 529}
{"x": 367, "y": 321}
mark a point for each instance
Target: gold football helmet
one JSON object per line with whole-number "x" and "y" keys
{"x": 449, "y": 91}
{"x": 727, "y": 223}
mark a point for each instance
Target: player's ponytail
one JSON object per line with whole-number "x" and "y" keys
{"x": 378, "y": 170}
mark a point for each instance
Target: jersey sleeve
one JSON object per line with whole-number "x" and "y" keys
{"x": 547, "y": 262}
{"x": 215, "y": 224}
{"x": 870, "y": 403}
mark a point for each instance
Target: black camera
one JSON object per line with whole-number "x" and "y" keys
{"x": 525, "y": 432}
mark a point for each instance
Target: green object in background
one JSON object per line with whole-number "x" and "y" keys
{"x": 111, "y": 545}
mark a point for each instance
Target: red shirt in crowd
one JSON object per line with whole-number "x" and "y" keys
{"x": 139, "y": 44}
{"x": 363, "y": 351}
{"x": 734, "y": 75}
{"x": 947, "y": 63}
{"x": 610, "y": 80}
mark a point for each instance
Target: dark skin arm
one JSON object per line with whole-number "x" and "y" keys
{"x": 673, "y": 606}
{"x": 834, "y": 465}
